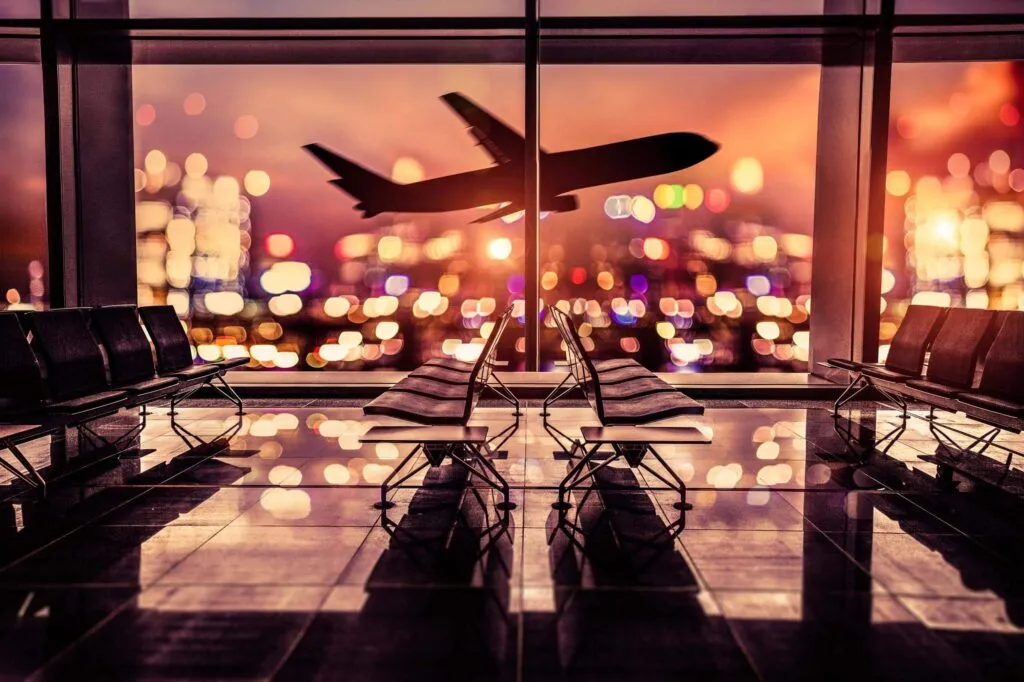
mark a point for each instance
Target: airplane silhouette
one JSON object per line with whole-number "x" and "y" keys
{"x": 503, "y": 183}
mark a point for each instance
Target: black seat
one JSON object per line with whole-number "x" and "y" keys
{"x": 956, "y": 352}
{"x": 173, "y": 350}
{"x": 129, "y": 354}
{"x": 907, "y": 348}
{"x": 174, "y": 356}
{"x": 1002, "y": 380}
{"x": 422, "y": 399}
{"x": 638, "y": 402}
{"x": 21, "y": 382}
{"x": 75, "y": 375}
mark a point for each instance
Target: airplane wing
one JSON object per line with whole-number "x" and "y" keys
{"x": 500, "y": 213}
{"x": 501, "y": 142}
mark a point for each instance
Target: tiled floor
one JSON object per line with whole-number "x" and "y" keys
{"x": 804, "y": 558}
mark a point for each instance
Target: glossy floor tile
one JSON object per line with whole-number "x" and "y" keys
{"x": 810, "y": 551}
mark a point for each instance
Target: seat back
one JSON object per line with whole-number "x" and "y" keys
{"x": 916, "y": 333}
{"x": 1003, "y": 376}
{"x": 74, "y": 363}
{"x": 959, "y": 345}
{"x": 129, "y": 354}
{"x": 481, "y": 373}
{"x": 173, "y": 350}
{"x": 21, "y": 381}
{"x": 580, "y": 364}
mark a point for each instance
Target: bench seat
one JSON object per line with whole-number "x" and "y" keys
{"x": 635, "y": 388}
{"x": 87, "y": 402}
{"x": 194, "y": 372}
{"x": 887, "y": 374}
{"x": 431, "y": 388}
{"x": 617, "y": 376}
{"x": 992, "y": 404}
{"x": 443, "y": 374}
{"x": 450, "y": 363}
{"x": 649, "y": 408}
{"x": 417, "y": 408}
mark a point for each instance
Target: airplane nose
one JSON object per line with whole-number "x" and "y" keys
{"x": 708, "y": 147}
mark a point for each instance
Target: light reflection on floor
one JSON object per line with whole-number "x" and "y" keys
{"x": 268, "y": 559}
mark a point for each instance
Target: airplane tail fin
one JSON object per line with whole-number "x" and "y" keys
{"x": 367, "y": 187}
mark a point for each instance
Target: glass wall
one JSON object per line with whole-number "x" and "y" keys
{"x": 23, "y": 242}
{"x": 269, "y": 250}
{"x": 954, "y": 229}
{"x": 704, "y": 268}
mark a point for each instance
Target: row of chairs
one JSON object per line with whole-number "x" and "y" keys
{"x": 975, "y": 365}
{"x": 68, "y": 367}
{"x": 442, "y": 394}
{"x": 621, "y": 391}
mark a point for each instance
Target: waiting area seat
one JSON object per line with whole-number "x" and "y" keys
{"x": 905, "y": 359}
{"x": 441, "y": 399}
{"x": 966, "y": 340}
{"x": 624, "y": 393}
{"x": 626, "y": 397}
{"x": 174, "y": 356}
{"x": 68, "y": 367}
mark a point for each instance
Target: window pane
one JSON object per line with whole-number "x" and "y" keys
{"x": 23, "y": 256}
{"x": 640, "y": 8}
{"x": 324, "y": 8}
{"x": 19, "y": 9}
{"x": 241, "y": 229}
{"x": 957, "y": 6}
{"x": 706, "y": 268}
{"x": 954, "y": 219}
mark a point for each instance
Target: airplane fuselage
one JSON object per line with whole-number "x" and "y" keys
{"x": 560, "y": 172}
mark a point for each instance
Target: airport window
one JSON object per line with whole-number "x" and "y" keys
{"x": 954, "y": 228}
{"x": 323, "y": 8}
{"x": 317, "y": 258}
{"x": 703, "y": 268}
{"x": 23, "y": 233}
{"x": 604, "y": 8}
{"x": 19, "y": 9}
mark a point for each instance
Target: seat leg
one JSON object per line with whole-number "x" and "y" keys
{"x": 492, "y": 477}
{"x": 225, "y": 390}
{"x": 557, "y": 392}
{"x": 31, "y": 477}
{"x": 577, "y": 476}
{"x": 680, "y": 485}
{"x": 853, "y": 389}
{"x": 387, "y": 485}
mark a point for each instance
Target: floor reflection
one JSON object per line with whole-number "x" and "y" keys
{"x": 811, "y": 552}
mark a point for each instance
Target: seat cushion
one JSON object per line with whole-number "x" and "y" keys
{"x": 437, "y": 373}
{"x": 915, "y": 334}
{"x": 231, "y": 363}
{"x": 621, "y": 374}
{"x": 196, "y": 372}
{"x": 935, "y": 388}
{"x": 173, "y": 350}
{"x": 416, "y": 408}
{"x": 72, "y": 358}
{"x": 87, "y": 402}
{"x": 649, "y": 408}
{"x": 150, "y": 385}
{"x": 1003, "y": 376}
{"x": 634, "y": 388}
{"x": 845, "y": 364}
{"x": 450, "y": 363}
{"x": 994, "y": 404}
{"x": 432, "y": 389}
{"x": 614, "y": 363}
{"x": 21, "y": 383}
{"x": 129, "y": 353}
{"x": 888, "y": 374}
